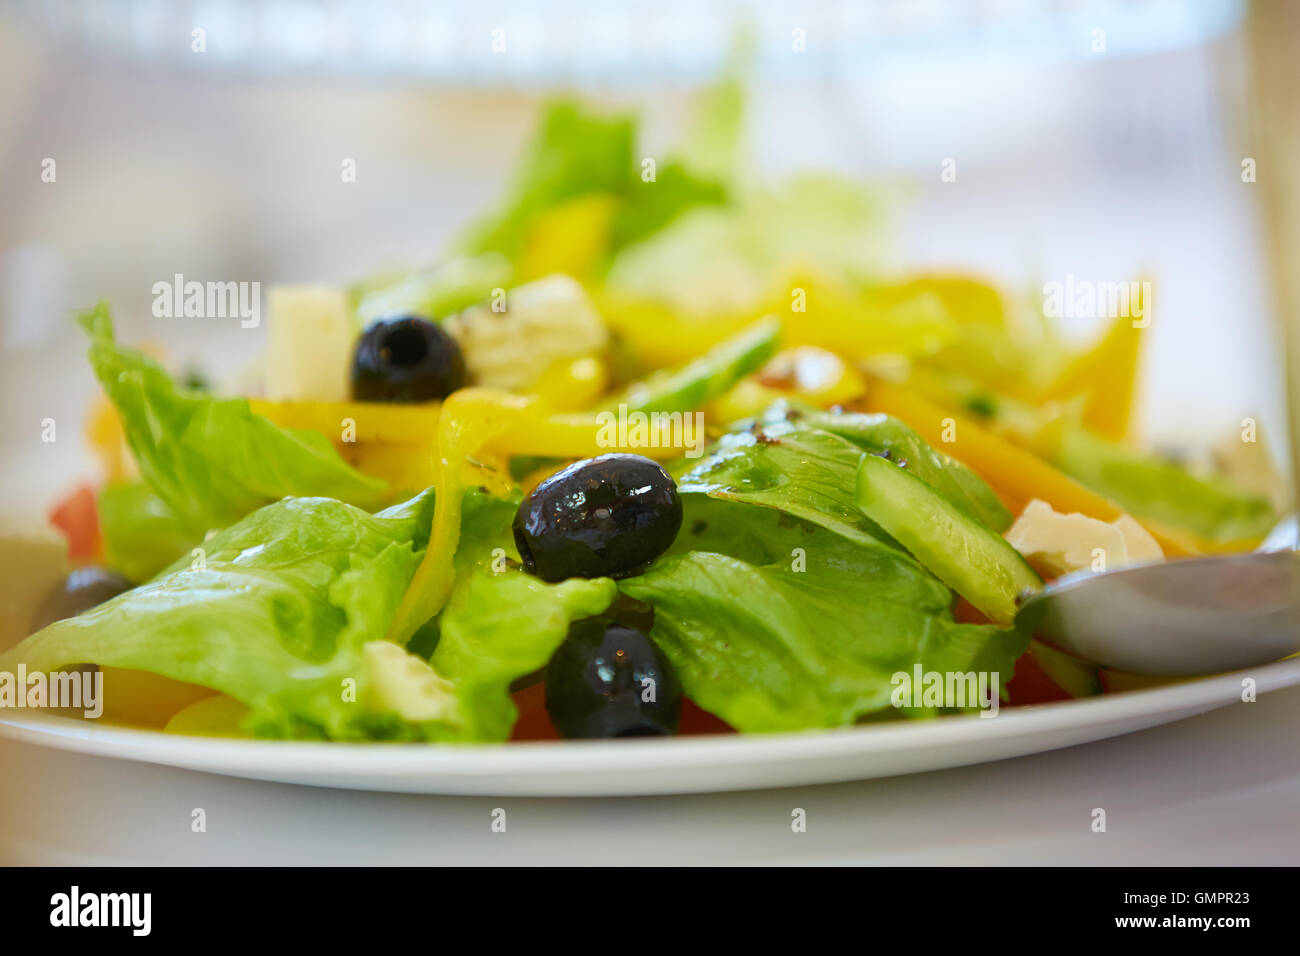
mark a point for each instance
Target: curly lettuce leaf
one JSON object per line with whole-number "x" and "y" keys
{"x": 576, "y": 152}
{"x": 803, "y": 462}
{"x": 721, "y": 259}
{"x": 212, "y": 460}
{"x": 1157, "y": 490}
{"x": 773, "y": 623}
{"x": 141, "y": 534}
{"x": 274, "y": 611}
{"x": 781, "y": 606}
{"x": 713, "y": 140}
{"x": 286, "y": 612}
{"x": 889, "y": 437}
{"x": 435, "y": 292}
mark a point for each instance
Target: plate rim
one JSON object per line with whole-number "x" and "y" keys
{"x": 282, "y": 760}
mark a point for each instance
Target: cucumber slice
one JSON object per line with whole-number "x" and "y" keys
{"x": 697, "y": 383}
{"x": 1070, "y": 674}
{"x": 972, "y": 560}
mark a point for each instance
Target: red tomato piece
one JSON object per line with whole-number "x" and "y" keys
{"x": 78, "y": 518}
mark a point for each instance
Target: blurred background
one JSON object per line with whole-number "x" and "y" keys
{"x": 1100, "y": 139}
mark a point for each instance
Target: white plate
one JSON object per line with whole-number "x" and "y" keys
{"x": 682, "y": 765}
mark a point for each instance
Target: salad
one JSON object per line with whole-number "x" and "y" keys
{"x": 655, "y": 449}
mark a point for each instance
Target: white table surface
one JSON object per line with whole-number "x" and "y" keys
{"x": 1222, "y": 788}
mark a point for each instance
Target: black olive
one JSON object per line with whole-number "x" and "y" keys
{"x": 607, "y": 516}
{"x": 81, "y": 590}
{"x": 607, "y": 680}
{"x": 406, "y": 359}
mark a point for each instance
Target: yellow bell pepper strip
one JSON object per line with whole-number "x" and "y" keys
{"x": 582, "y": 435}
{"x": 966, "y": 298}
{"x": 1107, "y": 374}
{"x": 471, "y": 419}
{"x": 569, "y": 384}
{"x": 431, "y": 583}
{"x": 369, "y": 421}
{"x": 822, "y": 310}
{"x": 218, "y": 716}
{"x": 571, "y": 238}
{"x": 478, "y": 431}
{"x": 144, "y": 699}
{"x": 746, "y": 399}
{"x": 387, "y": 440}
{"x": 403, "y": 465}
{"x": 910, "y": 318}
{"x": 1018, "y": 476}
{"x": 658, "y": 335}
{"x": 107, "y": 440}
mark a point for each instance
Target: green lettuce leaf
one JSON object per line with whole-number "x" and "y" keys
{"x": 713, "y": 145}
{"x": 804, "y": 472}
{"x": 435, "y": 292}
{"x": 287, "y": 610}
{"x": 212, "y": 460}
{"x": 889, "y": 437}
{"x": 576, "y": 152}
{"x": 723, "y": 259}
{"x": 804, "y": 462}
{"x": 275, "y": 612}
{"x": 649, "y": 207}
{"x": 773, "y": 623}
{"x": 141, "y": 535}
{"x": 781, "y": 606}
{"x": 1158, "y": 490}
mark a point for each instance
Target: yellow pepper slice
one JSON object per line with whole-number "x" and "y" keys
{"x": 145, "y": 699}
{"x": 478, "y": 431}
{"x": 388, "y": 440}
{"x": 577, "y": 435}
{"x": 966, "y": 298}
{"x": 360, "y": 421}
{"x": 471, "y": 419}
{"x": 107, "y": 440}
{"x": 660, "y": 336}
{"x": 406, "y": 466}
{"x": 218, "y": 716}
{"x": 746, "y": 399}
{"x": 570, "y": 238}
{"x": 821, "y": 310}
{"x": 1107, "y": 374}
{"x": 572, "y": 383}
{"x": 912, "y": 317}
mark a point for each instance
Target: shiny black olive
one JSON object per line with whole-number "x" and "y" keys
{"x": 607, "y": 680}
{"x": 406, "y": 359}
{"x": 607, "y": 516}
{"x": 81, "y": 590}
